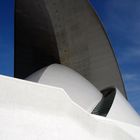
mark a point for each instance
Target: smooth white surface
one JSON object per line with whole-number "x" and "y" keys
{"x": 30, "y": 111}
{"x": 77, "y": 87}
{"x": 121, "y": 110}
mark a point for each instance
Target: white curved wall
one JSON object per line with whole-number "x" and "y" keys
{"x": 121, "y": 110}
{"x": 82, "y": 92}
{"x": 78, "y": 88}
{"x": 30, "y": 111}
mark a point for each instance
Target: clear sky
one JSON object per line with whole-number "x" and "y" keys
{"x": 6, "y": 37}
{"x": 121, "y": 19}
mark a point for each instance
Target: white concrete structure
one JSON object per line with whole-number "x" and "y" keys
{"x": 121, "y": 110}
{"x": 31, "y": 111}
{"x": 77, "y": 87}
{"x": 62, "y": 104}
{"x": 84, "y": 93}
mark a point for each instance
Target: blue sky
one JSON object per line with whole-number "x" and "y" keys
{"x": 121, "y": 19}
{"x": 6, "y": 37}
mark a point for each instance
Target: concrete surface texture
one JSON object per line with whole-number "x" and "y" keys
{"x": 82, "y": 43}
{"x": 77, "y": 37}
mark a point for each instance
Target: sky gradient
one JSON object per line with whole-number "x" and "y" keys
{"x": 121, "y": 20}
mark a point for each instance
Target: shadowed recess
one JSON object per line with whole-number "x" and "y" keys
{"x": 35, "y": 43}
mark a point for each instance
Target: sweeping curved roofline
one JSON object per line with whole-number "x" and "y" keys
{"x": 103, "y": 26}
{"x": 67, "y": 32}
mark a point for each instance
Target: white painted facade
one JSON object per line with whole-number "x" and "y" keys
{"x": 121, "y": 110}
{"x": 77, "y": 87}
{"x": 32, "y": 111}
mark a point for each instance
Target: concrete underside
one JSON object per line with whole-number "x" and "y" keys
{"x": 67, "y": 32}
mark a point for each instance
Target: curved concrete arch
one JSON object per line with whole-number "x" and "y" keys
{"x": 78, "y": 39}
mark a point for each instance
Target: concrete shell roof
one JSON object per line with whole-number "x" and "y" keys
{"x": 67, "y": 32}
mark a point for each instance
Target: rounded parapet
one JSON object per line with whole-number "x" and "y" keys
{"x": 80, "y": 90}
